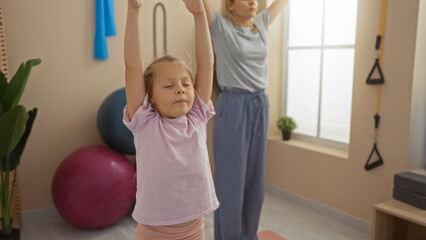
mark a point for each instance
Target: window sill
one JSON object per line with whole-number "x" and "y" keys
{"x": 335, "y": 152}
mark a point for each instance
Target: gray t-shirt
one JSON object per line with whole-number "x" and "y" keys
{"x": 241, "y": 53}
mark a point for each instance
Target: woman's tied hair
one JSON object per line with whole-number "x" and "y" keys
{"x": 149, "y": 73}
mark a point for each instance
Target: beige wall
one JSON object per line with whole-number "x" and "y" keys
{"x": 69, "y": 86}
{"x": 417, "y": 144}
{"x": 342, "y": 183}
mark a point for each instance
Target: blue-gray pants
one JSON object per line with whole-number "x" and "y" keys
{"x": 239, "y": 144}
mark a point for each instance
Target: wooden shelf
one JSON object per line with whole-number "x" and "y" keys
{"x": 394, "y": 219}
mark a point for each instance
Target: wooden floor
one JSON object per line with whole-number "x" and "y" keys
{"x": 284, "y": 217}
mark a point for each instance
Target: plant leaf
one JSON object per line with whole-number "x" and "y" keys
{"x": 3, "y": 84}
{"x": 17, "y": 85}
{"x": 12, "y": 127}
{"x": 15, "y": 155}
{"x": 1, "y": 109}
{"x": 8, "y": 95}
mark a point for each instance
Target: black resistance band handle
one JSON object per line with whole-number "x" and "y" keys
{"x": 378, "y": 41}
{"x": 368, "y": 166}
{"x": 379, "y": 80}
{"x": 376, "y": 120}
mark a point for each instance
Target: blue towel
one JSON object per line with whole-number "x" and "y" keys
{"x": 105, "y": 26}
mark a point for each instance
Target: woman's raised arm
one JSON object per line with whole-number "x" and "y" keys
{"x": 209, "y": 11}
{"x": 275, "y": 9}
{"x": 203, "y": 50}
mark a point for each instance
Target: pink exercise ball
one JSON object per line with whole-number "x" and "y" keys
{"x": 94, "y": 187}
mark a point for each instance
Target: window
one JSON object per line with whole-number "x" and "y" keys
{"x": 319, "y": 51}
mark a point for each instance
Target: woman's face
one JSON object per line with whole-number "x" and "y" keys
{"x": 243, "y": 9}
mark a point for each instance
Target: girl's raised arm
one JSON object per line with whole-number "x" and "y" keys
{"x": 203, "y": 50}
{"x": 208, "y": 6}
{"x": 135, "y": 86}
{"x": 276, "y": 8}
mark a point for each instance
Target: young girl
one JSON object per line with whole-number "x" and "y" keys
{"x": 167, "y": 113}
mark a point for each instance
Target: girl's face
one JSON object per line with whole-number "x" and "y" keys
{"x": 172, "y": 90}
{"x": 243, "y": 9}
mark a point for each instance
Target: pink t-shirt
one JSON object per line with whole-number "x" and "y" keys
{"x": 174, "y": 181}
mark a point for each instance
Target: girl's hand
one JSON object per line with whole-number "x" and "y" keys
{"x": 194, "y": 6}
{"x": 135, "y": 3}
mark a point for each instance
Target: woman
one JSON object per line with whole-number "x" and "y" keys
{"x": 241, "y": 123}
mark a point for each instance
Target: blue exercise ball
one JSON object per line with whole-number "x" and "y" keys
{"x": 110, "y": 123}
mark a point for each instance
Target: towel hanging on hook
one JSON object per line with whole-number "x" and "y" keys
{"x": 105, "y": 27}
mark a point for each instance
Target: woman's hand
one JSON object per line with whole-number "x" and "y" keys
{"x": 135, "y": 3}
{"x": 194, "y": 6}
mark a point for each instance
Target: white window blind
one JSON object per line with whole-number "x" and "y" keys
{"x": 319, "y": 64}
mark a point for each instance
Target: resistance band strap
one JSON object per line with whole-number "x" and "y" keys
{"x": 377, "y": 65}
{"x": 368, "y": 166}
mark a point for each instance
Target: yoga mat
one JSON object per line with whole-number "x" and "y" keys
{"x": 269, "y": 235}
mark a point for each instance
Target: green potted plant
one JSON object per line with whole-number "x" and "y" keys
{"x": 15, "y": 127}
{"x": 286, "y": 125}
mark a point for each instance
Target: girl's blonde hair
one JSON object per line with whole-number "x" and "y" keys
{"x": 149, "y": 73}
{"x": 226, "y": 13}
